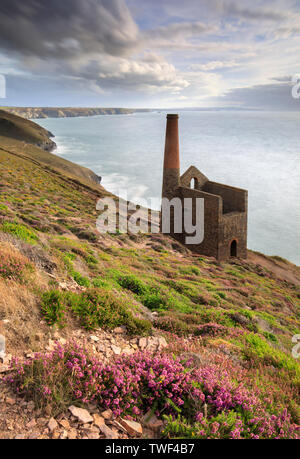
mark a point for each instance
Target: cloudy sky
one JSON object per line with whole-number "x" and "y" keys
{"x": 150, "y": 53}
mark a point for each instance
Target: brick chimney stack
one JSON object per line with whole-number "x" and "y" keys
{"x": 171, "y": 174}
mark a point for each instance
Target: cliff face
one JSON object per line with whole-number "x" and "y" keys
{"x": 27, "y": 139}
{"x": 65, "y": 112}
{"x": 15, "y": 127}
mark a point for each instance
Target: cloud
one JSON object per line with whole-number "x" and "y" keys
{"x": 235, "y": 9}
{"x": 149, "y": 73}
{"x": 273, "y": 96}
{"x": 214, "y": 65}
{"x": 64, "y": 29}
{"x": 179, "y": 30}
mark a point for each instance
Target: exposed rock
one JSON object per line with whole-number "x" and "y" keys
{"x": 72, "y": 434}
{"x": 94, "y": 338}
{"x": 120, "y": 330}
{"x": 10, "y": 401}
{"x": 116, "y": 349}
{"x": 98, "y": 420}
{"x": 128, "y": 351}
{"x": 143, "y": 343}
{"x": 107, "y": 414}
{"x": 133, "y": 428}
{"x": 65, "y": 424}
{"x": 81, "y": 414}
{"x": 108, "y": 433}
{"x": 153, "y": 343}
{"x": 152, "y": 422}
{"x": 52, "y": 425}
{"x": 31, "y": 424}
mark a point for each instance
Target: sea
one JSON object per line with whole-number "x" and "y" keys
{"x": 255, "y": 150}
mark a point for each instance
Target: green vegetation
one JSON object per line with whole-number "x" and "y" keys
{"x": 94, "y": 308}
{"x": 20, "y": 231}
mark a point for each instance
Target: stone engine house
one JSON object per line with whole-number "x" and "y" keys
{"x": 225, "y": 207}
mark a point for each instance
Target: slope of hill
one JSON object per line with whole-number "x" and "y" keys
{"x": 17, "y": 128}
{"x": 27, "y": 139}
{"x": 65, "y": 112}
{"x": 134, "y": 324}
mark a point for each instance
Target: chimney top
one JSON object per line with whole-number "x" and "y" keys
{"x": 171, "y": 116}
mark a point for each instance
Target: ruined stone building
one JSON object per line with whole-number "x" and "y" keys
{"x": 225, "y": 207}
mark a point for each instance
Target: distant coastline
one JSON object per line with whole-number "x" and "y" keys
{"x": 67, "y": 112}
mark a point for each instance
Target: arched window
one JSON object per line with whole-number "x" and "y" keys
{"x": 194, "y": 183}
{"x": 233, "y": 248}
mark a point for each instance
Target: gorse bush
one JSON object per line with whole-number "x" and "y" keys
{"x": 257, "y": 349}
{"x": 101, "y": 308}
{"x": 53, "y": 308}
{"x": 132, "y": 283}
{"x": 97, "y": 307}
{"x": 79, "y": 279}
{"x": 20, "y": 231}
{"x": 209, "y": 402}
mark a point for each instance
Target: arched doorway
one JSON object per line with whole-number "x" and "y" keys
{"x": 194, "y": 183}
{"x": 233, "y": 248}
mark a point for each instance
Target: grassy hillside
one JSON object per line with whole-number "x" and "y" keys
{"x": 227, "y": 370}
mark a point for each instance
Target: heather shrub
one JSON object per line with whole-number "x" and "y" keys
{"x": 173, "y": 324}
{"x": 207, "y": 402}
{"x": 20, "y": 231}
{"x": 12, "y": 263}
{"x": 210, "y": 329}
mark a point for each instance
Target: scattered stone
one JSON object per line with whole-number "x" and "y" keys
{"x": 152, "y": 343}
{"x": 107, "y": 414}
{"x": 10, "y": 401}
{"x": 120, "y": 330}
{"x": 133, "y": 428}
{"x": 127, "y": 350}
{"x": 64, "y": 435}
{"x": 152, "y": 422}
{"x": 31, "y": 424}
{"x": 98, "y": 420}
{"x": 65, "y": 424}
{"x": 72, "y": 434}
{"x": 81, "y": 414}
{"x": 108, "y": 433}
{"x": 116, "y": 350}
{"x": 94, "y": 338}
{"x": 143, "y": 343}
{"x": 52, "y": 425}
{"x": 93, "y": 435}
